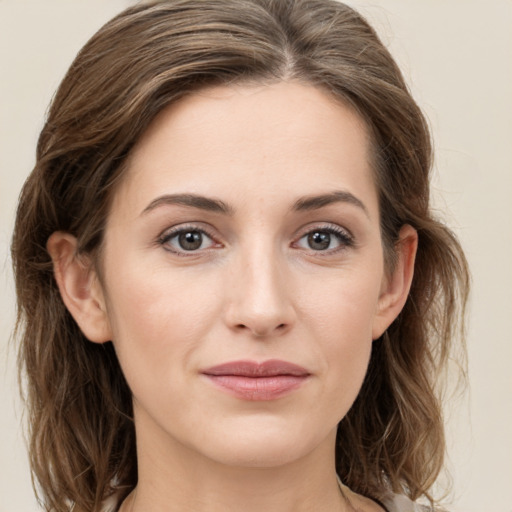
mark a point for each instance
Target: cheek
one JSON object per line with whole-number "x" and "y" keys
{"x": 342, "y": 305}
{"x": 342, "y": 315}
{"x": 157, "y": 319}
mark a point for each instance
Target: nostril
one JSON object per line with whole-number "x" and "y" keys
{"x": 261, "y": 331}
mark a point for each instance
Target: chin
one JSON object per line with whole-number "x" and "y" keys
{"x": 256, "y": 456}
{"x": 264, "y": 446}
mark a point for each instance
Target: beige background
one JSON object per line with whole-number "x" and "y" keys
{"x": 457, "y": 56}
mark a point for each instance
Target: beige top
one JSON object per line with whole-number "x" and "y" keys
{"x": 399, "y": 503}
{"x": 393, "y": 503}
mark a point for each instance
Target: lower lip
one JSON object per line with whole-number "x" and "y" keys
{"x": 258, "y": 388}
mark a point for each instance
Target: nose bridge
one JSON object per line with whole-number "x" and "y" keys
{"x": 260, "y": 302}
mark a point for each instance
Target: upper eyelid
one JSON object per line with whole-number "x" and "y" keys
{"x": 192, "y": 226}
{"x": 326, "y": 226}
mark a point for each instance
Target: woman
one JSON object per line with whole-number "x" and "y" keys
{"x": 232, "y": 292}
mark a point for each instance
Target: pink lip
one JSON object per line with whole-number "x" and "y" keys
{"x": 249, "y": 380}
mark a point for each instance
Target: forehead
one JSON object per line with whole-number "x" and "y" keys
{"x": 273, "y": 140}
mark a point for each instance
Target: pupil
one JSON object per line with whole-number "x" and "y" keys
{"x": 319, "y": 241}
{"x": 190, "y": 241}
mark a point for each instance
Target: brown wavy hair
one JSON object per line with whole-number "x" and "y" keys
{"x": 82, "y": 438}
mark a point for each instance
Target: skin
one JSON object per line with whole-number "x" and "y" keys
{"x": 255, "y": 289}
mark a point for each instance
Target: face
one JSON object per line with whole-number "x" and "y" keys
{"x": 243, "y": 273}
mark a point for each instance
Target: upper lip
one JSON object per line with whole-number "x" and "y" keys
{"x": 269, "y": 368}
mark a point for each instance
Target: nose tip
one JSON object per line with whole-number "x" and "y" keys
{"x": 260, "y": 301}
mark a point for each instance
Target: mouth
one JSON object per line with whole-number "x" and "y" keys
{"x": 248, "y": 380}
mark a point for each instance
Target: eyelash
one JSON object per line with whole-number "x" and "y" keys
{"x": 167, "y": 236}
{"x": 344, "y": 237}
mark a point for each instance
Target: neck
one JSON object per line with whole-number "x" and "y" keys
{"x": 173, "y": 478}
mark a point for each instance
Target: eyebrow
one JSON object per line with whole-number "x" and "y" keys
{"x": 191, "y": 200}
{"x": 319, "y": 201}
{"x": 210, "y": 204}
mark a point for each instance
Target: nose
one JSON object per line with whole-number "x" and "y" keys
{"x": 260, "y": 301}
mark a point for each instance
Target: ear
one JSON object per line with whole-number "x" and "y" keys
{"x": 79, "y": 287}
{"x": 395, "y": 287}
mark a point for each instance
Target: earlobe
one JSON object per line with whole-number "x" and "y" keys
{"x": 395, "y": 287}
{"x": 79, "y": 287}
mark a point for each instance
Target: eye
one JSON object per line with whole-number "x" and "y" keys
{"x": 325, "y": 239}
{"x": 183, "y": 240}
